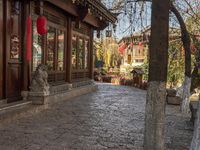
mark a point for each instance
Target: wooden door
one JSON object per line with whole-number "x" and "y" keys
{"x": 13, "y": 52}
{"x": 1, "y": 49}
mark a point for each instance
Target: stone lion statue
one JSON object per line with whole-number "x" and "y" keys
{"x": 39, "y": 81}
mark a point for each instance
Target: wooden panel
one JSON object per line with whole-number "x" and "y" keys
{"x": 14, "y": 80}
{"x": 1, "y": 49}
{"x": 13, "y": 52}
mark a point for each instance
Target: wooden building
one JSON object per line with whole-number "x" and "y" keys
{"x": 134, "y": 49}
{"x": 66, "y": 49}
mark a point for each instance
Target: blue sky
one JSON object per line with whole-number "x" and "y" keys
{"x": 130, "y": 22}
{"x": 125, "y": 27}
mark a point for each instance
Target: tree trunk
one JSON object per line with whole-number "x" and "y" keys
{"x": 156, "y": 93}
{"x": 195, "y": 145}
{"x": 186, "y": 44}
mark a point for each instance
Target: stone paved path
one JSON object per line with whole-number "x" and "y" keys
{"x": 111, "y": 118}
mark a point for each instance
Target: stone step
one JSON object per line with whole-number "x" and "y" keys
{"x": 12, "y": 111}
{"x": 14, "y": 105}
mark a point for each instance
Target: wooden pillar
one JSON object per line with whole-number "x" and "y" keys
{"x": 1, "y": 49}
{"x": 156, "y": 93}
{"x": 69, "y": 52}
{"x": 91, "y": 54}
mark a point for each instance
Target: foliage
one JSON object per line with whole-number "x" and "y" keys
{"x": 196, "y": 72}
{"x": 175, "y": 64}
{"x": 107, "y": 52}
{"x": 194, "y": 29}
{"x": 145, "y": 68}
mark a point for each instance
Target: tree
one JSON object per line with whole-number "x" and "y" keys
{"x": 107, "y": 52}
{"x": 153, "y": 136}
{"x": 175, "y": 64}
{"x": 156, "y": 93}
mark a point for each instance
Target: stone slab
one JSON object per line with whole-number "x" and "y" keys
{"x": 175, "y": 100}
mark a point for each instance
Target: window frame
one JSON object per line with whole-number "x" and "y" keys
{"x": 84, "y": 38}
{"x": 55, "y": 73}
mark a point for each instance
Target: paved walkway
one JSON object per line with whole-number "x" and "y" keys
{"x": 111, "y": 118}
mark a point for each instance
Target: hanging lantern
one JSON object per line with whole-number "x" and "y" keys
{"x": 28, "y": 38}
{"x": 140, "y": 44}
{"x": 98, "y": 34}
{"x": 131, "y": 44}
{"x": 122, "y": 48}
{"x": 41, "y": 25}
{"x": 114, "y": 27}
{"x": 108, "y": 33}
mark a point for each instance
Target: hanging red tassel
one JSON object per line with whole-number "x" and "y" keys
{"x": 41, "y": 25}
{"x": 28, "y": 38}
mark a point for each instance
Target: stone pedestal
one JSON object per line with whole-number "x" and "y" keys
{"x": 38, "y": 98}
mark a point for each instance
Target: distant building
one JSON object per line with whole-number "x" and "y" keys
{"x": 134, "y": 49}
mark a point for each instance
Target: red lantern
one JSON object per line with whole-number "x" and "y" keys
{"x": 131, "y": 44}
{"x": 28, "y": 38}
{"x": 122, "y": 48}
{"x": 140, "y": 44}
{"x": 41, "y": 25}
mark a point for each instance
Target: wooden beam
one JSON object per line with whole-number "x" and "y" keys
{"x": 67, "y": 6}
{"x": 95, "y": 22}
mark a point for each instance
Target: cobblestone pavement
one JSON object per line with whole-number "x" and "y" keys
{"x": 111, "y": 118}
